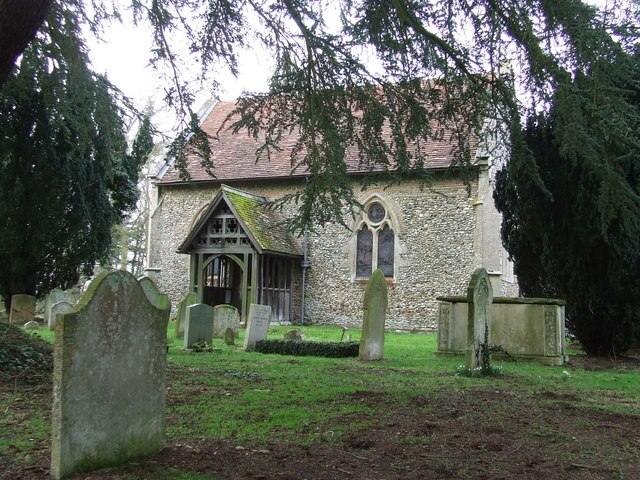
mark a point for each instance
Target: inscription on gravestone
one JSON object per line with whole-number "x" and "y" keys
{"x": 257, "y": 324}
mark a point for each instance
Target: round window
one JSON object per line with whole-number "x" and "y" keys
{"x": 376, "y": 213}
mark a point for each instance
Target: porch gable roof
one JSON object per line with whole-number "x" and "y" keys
{"x": 264, "y": 227}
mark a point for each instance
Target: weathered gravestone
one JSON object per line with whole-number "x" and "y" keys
{"x": 109, "y": 377}
{"x": 479, "y": 298}
{"x": 225, "y": 316}
{"x": 198, "y": 324}
{"x": 54, "y": 296}
{"x": 229, "y": 336}
{"x": 375, "y": 315}
{"x": 58, "y": 309}
{"x": 23, "y": 309}
{"x": 150, "y": 289}
{"x": 295, "y": 335}
{"x": 189, "y": 299}
{"x": 257, "y": 324}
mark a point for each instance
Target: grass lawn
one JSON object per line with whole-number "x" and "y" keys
{"x": 236, "y": 414}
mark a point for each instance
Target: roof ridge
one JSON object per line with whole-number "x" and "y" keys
{"x": 226, "y": 188}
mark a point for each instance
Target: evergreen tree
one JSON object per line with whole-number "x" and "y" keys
{"x": 65, "y": 175}
{"x": 570, "y": 198}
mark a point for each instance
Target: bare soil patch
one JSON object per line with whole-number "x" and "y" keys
{"x": 479, "y": 433}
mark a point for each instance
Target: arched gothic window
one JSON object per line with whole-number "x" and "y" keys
{"x": 375, "y": 242}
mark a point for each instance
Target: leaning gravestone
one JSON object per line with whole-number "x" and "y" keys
{"x": 54, "y": 296}
{"x": 109, "y": 377}
{"x": 479, "y": 298}
{"x": 257, "y": 324}
{"x": 198, "y": 324}
{"x": 225, "y": 316}
{"x": 23, "y": 309}
{"x": 375, "y": 315}
{"x": 58, "y": 309}
{"x": 189, "y": 299}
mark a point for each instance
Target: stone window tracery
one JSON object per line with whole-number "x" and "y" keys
{"x": 375, "y": 241}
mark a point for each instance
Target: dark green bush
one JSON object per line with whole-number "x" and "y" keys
{"x": 304, "y": 348}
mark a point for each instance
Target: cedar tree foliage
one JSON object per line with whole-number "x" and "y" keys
{"x": 65, "y": 175}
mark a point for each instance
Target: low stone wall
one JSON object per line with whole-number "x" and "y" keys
{"x": 525, "y": 328}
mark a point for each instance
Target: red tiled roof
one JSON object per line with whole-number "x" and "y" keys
{"x": 234, "y": 155}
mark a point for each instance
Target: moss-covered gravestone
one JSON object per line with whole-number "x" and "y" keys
{"x": 375, "y": 315}
{"x": 479, "y": 297}
{"x": 189, "y": 299}
{"x": 109, "y": 377}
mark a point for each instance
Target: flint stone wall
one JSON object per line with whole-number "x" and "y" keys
{"x": 435, "y": 244}
{"x": 109, "y": 377}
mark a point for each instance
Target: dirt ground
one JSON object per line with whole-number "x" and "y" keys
{"x": 480, "y": 433}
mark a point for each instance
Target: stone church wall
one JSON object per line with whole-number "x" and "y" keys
{"x": 435, "y": 245}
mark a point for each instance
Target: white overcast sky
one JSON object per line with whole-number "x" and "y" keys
{"x": 124, "y": 56}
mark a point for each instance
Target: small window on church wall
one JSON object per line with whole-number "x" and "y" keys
{"x": 364, "y": 252}
{"x": 385, "y": 251}
{"x": 375, "y": 242}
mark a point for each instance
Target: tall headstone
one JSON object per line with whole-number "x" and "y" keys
{"x": 23, "y": 309}
{"x": 257, "y": 324}
{"x": 56, "y": 309}
{"x": 54, "y": 296}
{"x": 225, "y": 316}
{"x": 189, "y": 299}
{"x": 374, "y": 318}
{"x": 479, "y": 298}
{"x": 198, "y": 324}
{"x": 109, "y": 377}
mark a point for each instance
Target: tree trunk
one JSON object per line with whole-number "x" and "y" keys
{"x": 19, "y": 22}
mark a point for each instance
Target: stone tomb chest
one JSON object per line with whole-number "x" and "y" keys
{"x": 528, "y": 328}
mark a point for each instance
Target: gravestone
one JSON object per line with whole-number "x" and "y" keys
{"x": 198, "y": 324}
{"x": 54, "y": 296}
{"x": 32, "y": 325}
{"x": 23, "y": 309}
{"x": 150, "y": 289}
{"x": 58, "y": 309}
{"x": 374, "y": 318}
{"x": 189, "y": 299}
{"x": 295, "y": 335}
{"x": 225, "y": 316}
{"x": 229, "y": 336}
{"x": 109, "y": 377}
{"x": 479, "y": 298}
{"x": 257, "y": 324}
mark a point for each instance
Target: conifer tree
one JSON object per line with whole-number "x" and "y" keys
{"x": 65, "y": 175}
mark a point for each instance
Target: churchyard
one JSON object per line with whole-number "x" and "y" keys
{"x": 233, "y": 414}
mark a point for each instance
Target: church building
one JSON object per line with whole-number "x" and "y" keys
{"x": 216, "y": 237}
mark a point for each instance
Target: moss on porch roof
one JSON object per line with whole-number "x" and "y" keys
{"x": 264, "y": 226}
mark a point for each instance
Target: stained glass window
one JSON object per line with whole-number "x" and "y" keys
{"x": 364, "y": 252}
{"x": 385, "y": 251}
{"x": 375, "y": 242}
{"x": 376, "y": 213}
